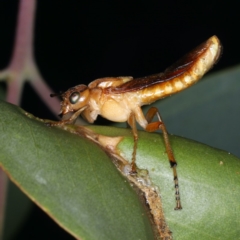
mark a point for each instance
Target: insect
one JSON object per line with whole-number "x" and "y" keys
{"x": 119, "y": 99}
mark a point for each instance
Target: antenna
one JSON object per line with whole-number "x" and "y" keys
{"x": 56, "y": 94}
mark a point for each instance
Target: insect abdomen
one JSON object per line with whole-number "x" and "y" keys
{"x": 199, "y": 62}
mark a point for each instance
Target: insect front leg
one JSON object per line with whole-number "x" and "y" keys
{"x": 153, "y": 126}
{"x": 66, "y": 121}
{"x": 132, "y": 123}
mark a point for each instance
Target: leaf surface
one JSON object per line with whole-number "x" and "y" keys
{"x": 74, "y": 181}
{"x": 71, "y": 179}
{"x": 209, "y": 182}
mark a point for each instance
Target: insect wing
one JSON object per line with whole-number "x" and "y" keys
{"x": 179, "y": 68}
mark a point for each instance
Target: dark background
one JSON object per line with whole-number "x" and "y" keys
{"x": 79, "y": 41}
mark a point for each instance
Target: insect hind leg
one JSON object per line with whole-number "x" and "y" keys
{"x": 154, "y": 126}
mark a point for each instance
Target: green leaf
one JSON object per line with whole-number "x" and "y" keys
{"x": 71, "y": 179}
{"x": 74, "y": 181}
{"x": 209, "y": 182}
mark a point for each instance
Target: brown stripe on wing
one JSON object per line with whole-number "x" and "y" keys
{"x": 177, "y": 69}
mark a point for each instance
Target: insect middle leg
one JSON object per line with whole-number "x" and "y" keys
{"x": 132, "y": 123}
{"x": 153, "y": 126}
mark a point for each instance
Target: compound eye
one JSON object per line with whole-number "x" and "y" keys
{"x": 74, "y": 97}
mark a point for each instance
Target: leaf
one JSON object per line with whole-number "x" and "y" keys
{"x": 87, "y": 196}
{"x": 209, "y": 184}
{"x": 71, "y": 179}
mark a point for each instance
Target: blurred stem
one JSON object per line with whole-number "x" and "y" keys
{"x": 23, "y": 68}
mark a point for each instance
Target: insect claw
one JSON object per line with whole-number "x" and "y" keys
{"x": 178, "y": 207}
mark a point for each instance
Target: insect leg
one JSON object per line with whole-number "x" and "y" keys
{"x": 66, "y": 121}
{"x": 132, "y": 123}
{"x": 153, "y": 126}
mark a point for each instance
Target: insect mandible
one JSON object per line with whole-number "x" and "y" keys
{"x": 119, "y": 99}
